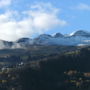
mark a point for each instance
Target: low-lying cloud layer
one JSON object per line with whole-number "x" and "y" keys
{"x": 37, "y": 20}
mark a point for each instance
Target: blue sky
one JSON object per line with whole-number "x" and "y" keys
{"x": 28, "y": 18}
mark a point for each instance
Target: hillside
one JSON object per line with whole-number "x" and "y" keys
{"x": 69, "y": 70}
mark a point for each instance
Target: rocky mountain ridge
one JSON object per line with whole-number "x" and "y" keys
{"x": 78, "y": 38}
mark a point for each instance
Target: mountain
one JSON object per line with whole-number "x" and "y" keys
{"x": 57, "y": 35}
{"x": 81, "y": 33}
{"x": 5, "y": 44}
{"x": 78, "y": 38}
{"x": 23, "y": 40}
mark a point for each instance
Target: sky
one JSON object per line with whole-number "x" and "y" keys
{"x": 29, "y": 18}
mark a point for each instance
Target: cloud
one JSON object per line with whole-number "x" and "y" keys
{"x": 37, "y": 20}
{"x": 82, "y": 6}
{"x": 5, "y": 3}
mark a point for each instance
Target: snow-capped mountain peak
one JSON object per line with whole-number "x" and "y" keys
{"x": 80, "y": 33}
{"x": 75, "y": 39}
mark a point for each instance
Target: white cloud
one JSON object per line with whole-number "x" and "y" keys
{"x": 5, "y": 3}
{"x": 39, "y": 19}
{"x": 83, "y": 6}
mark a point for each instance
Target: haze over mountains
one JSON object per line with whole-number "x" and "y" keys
{"x": 78, "y": 38}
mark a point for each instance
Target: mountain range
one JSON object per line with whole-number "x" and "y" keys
{"x": 78, "y": 38}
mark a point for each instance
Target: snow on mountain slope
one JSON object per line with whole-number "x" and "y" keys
{"x": 5, "y": 44}
{"x": 78, "y": 38}
{"x": 80, "y": 33}
{"x": 65, "y": 41}
{"x": 24, "y": 41}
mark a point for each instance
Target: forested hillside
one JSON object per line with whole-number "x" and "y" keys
{"x": 61, "y": 71}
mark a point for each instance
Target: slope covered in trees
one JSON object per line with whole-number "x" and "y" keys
{"x": 62, "y": 71}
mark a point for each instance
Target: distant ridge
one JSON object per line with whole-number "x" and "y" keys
{"x": 77, "y": 38}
